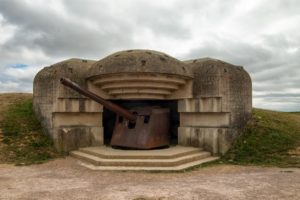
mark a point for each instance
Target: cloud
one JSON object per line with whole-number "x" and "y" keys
{"x": 261, "y": 36}
{"x": 9, "y": 86}
{"x": 17, "y": 79}
{"x": 272, "y": 67}
{"x": 44, "y": 29}
{"x": 90, "y": 29}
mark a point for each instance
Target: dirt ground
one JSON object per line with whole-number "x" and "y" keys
{"x": 66, "y": 179}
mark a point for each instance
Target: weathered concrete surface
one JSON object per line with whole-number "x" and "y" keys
{"x": 216, "y": 78}
{"x": 141, "y": 85}
{"x": 132, "y": 61}
{"x": 222, "y": 98}
{"x": 62, "y": 111}
{"x": 64, "y": 179}
{"x": 211, "y": 94}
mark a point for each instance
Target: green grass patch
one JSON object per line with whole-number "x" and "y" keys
{"x": 297, "y": 113}
{"x": 19, "y": 118}
{"x": 267, "y": 140}
{"x": 23, "y": 140}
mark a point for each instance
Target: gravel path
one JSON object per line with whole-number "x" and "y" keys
{"x": 65, "y": 179}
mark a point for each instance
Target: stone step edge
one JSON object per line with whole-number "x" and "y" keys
{"x": 139, "y": 162}
{"x": 150, "y": 169}
{"x": 107, "y": 156}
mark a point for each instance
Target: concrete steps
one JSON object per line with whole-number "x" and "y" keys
{"x": 175, "y": 158}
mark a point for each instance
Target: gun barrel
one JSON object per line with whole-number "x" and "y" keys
{"x": 107, "y": 104}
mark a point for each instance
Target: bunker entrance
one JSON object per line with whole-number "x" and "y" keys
{"x": 109, "y": 117}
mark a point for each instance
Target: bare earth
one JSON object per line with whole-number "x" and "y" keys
{"x": 65, "y": 179}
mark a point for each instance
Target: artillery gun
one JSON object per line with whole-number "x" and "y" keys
{"x": 137, "y": 128}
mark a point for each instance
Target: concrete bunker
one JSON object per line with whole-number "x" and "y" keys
{"x": 212, "y": 98}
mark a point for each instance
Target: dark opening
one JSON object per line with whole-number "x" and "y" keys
{"x": 131, "y": 125}
{"x": 120, "y": 120}
{"x": 109, "y": 117}
{"x": 146, "y": 119}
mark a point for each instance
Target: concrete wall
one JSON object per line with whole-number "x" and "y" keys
{"x": 71, "y": 120}
{"x": 203, "y": 123}
{"x": 221, "y": 105}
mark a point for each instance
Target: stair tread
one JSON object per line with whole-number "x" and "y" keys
{"x": 175, "y": 158}
{"x": 130, "y": 168}
{"x": 167, "y": 160}
{"x": 157, "y": 153}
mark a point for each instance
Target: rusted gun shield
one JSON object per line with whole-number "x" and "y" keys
{"x": 150, "y": 130}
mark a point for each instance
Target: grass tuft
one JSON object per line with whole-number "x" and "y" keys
{"x": 267, "y": 140}
{"x": 23, "y": 139}
{"x": 20, "y": 118}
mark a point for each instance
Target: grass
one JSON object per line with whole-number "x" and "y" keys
{"x": 23, "y": 140}
{"x": 297, "y": 113}
{"x": 267, "y": 140}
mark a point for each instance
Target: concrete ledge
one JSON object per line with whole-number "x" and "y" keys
{"x": 205, "y": 119}
{"x": 142, "y": 85}
{"x": 76, "y": 119}
{"x": 203, "y": 104}
{"x": 214, "y": 140}
{"x": 140, "y": 162}
{"x": 76, "y": 105}
{"x": 166, "y": 153}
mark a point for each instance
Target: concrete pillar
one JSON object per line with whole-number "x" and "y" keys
{"x": 77, "y": 123}
{"x": 203, "y": 124}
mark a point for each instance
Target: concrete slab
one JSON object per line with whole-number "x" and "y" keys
{"x": 140, "y": 162}
{"x": 139, "y": 168}
{"x": 175, "y": 158}
{"x": 109, "y": 152}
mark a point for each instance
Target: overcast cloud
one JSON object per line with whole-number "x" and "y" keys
{"x": 263, "y": 36}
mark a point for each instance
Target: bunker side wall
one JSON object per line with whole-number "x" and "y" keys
{"x": 71, "y": 120}
{"x": 220, "y": 107}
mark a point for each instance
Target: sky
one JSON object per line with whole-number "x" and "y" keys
{"x": 261, "y": 35}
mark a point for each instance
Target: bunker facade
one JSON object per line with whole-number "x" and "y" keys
{"x": 209, "y": 100}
